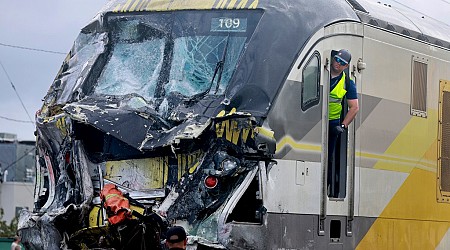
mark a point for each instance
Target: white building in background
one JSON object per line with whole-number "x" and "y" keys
{"x": 14, "y": 196}
{"x": 17, "y": 175}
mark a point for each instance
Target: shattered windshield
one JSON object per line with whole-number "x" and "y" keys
{"x": 191, "y": 53}
{"x": 194, "y": 64}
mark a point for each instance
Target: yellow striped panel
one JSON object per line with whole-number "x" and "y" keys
{"x": 242, "y": 4}
{"x": 163, "y": 5}
{"x": 134, "y": 5}
{"x": 125, "y": 7}
{"x": 413, "y": 219}
{"x": 221, "y": 4}
{"x": 232, "y": 4}
{"x": 254, "y": 5}
{"x": 415, "y": 142}
{"x": 141, "y": 5}
{"x": 158, "y": 5}
{"x": 117, "y": 8}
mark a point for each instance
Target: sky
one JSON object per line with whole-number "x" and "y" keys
{"x": 53, "y": 25}
{"x": 49, "y": 25}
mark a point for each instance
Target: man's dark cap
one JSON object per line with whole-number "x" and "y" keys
{"x": 344, "y": 55}
{"x": 175, "y": 234}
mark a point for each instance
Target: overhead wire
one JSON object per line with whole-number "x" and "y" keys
{"x": 29, "y": 117}
{"x": 17, "y": 93}
{"x": 33, "y": 49}
{"x": 14, "y": 120}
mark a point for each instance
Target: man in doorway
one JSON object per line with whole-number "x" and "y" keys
{"x": 341, "y": 86}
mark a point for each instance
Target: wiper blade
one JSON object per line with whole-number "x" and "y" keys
{"x": 219, "y": 67}
{"x": 217, "y": 71}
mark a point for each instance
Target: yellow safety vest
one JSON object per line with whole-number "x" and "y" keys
{"x": 335, "y": 99}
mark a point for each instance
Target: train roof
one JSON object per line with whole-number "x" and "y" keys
{"x": 399, "y": 18}
{"x": 387, "y": 14}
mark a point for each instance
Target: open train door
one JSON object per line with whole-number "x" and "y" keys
{"x": 337, "y": 201}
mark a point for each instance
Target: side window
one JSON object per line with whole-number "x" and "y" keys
{"x": 311, "y": 82}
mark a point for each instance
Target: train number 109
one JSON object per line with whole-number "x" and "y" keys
{"x": 229, "y": 23}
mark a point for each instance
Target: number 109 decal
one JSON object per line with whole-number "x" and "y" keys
{"x": 229, "y": 24}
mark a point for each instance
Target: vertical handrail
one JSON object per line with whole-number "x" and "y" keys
{"x": 351, "y": 175}
{"x": 351, "y": 182}
{"x": 324, "y": 156}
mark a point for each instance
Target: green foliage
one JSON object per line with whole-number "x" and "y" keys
{"x": 5, "y": 229}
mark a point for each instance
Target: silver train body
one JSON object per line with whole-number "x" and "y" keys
{"x": 213, "y": 115}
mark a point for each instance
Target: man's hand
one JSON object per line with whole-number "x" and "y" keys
{"x": 339, "y": 129}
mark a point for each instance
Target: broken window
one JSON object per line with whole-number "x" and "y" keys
{"x": 85, "y": 51}
{"x": 132, "y": 68}
{"x": 195, "y": 60}
{"x": 173, "y": 53}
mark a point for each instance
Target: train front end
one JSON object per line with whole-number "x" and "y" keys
{"x": 147, "y": 104}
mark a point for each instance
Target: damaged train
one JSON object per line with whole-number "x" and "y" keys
{"x": 213, "y": 115}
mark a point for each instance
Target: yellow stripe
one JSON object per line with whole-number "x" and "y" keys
{"x": 125, "y": 7}
{"x": 139, "y": 8}
{"x": 231, "y": 4}
{"x": 205, "y": 4}
{"x": 395, "y": 163}
{"x": 149, "y": 6}
{"x": 414, "y": 141}
{"x": 192, "y": 4}
{"x": 117, "y": 8}
{"x": 254, "y": 5}
{"x": 265, "y": 132}
{"x": 413, "y": 219}
{"x": 222, "y": 4}
{"x": 193, "y": 168}
{"x": 242, "y": 4}
{"x": 398, "y": 164}
{"x": 163, "y": 5}
{"x": 221, "y": 113}
{"x": 133, "y": 7}
{"x": 287, "y": 140}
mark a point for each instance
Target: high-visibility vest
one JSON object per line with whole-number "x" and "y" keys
{"x": 116, "y": 205}
{"x": 335, "y": 99}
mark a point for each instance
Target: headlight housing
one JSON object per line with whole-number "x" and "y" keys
{"x": 228, "y": 164}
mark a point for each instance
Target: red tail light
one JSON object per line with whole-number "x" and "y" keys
{"x": 211, "y": 181}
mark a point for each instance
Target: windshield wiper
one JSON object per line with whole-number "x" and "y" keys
{"x": 218, "y": 70}
{"x": 219, "y": 67}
